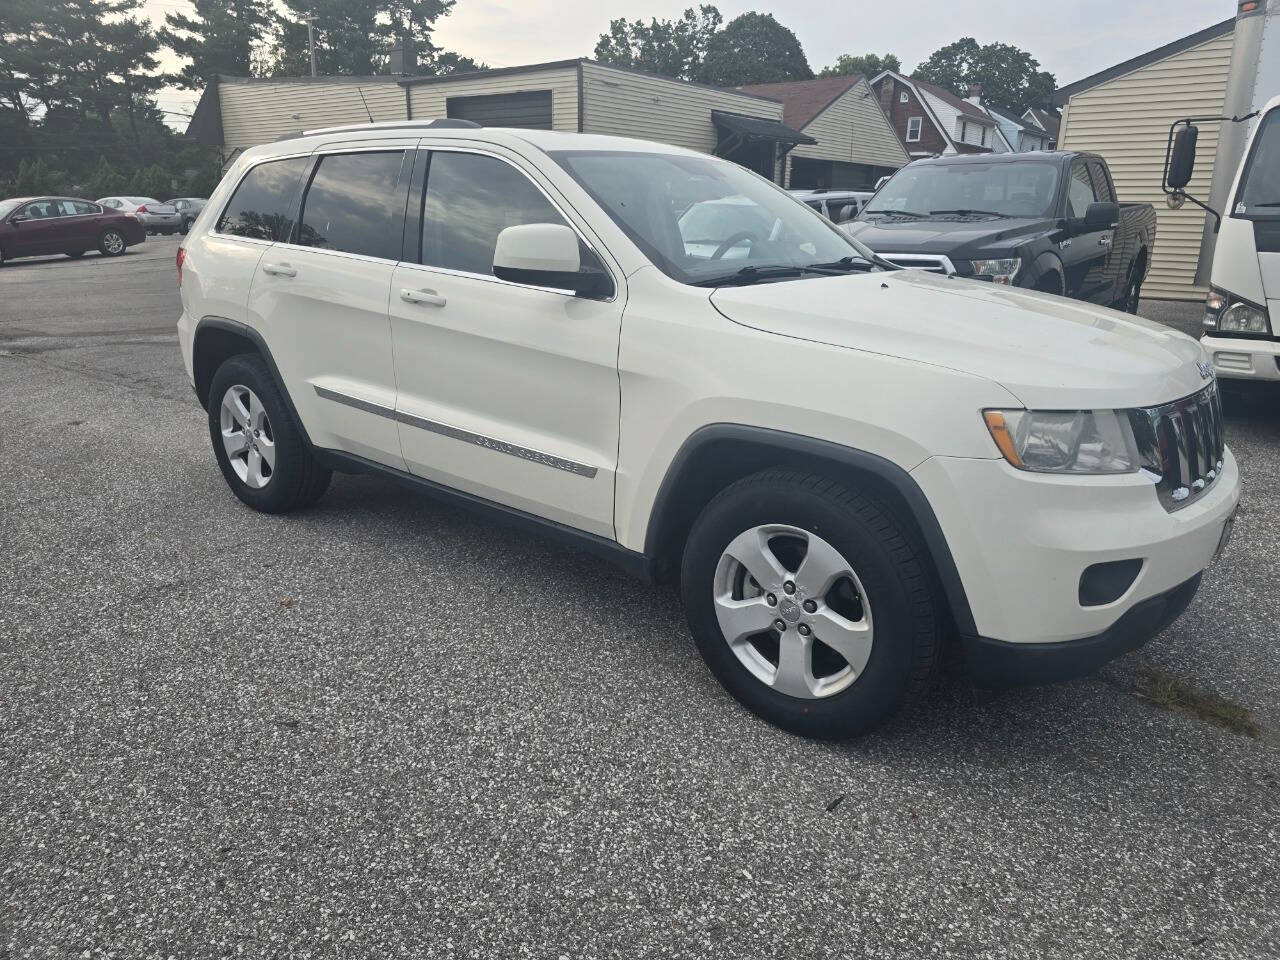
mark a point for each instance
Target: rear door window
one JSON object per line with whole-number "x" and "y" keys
{"x": 262, "y": 206}
{"x": 355, "y": 204}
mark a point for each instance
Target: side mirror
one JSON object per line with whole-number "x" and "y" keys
{"x": 544, "y": 255}
{"x": 1182, "y": 157}
{"x": 19, "y": 218}
{"x": 1101, "y": 215}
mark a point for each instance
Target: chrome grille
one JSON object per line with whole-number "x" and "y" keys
{"x": 1182, "y": 445}
{"x": 921, "y": 261}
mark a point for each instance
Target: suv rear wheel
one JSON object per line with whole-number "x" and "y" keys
{"x": 810, "y": 603}
{"x": 256, "y": 441}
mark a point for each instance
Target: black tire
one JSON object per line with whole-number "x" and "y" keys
{"x": 900, "y": 589}
{"x": 1133, "y": 287}
{"x": 1051, "y": 283}
{"x": 76, "y": 254}
{"x": 2, "y": 257}
{"x": 108, "y": 246}
{"x": 297, "y": 480}
{"x": 186, "y": 226}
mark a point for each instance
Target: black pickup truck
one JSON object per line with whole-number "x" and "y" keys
{"x": 1046, "y": 221}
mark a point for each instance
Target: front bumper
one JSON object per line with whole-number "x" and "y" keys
{"x": 1022, "y": 541}
{"x": 996, "y": 664}
{"x": 1242, "y": 358}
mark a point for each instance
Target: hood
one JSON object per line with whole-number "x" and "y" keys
{"x": 944, "y": 236}
{"x": 1049, "y": 352}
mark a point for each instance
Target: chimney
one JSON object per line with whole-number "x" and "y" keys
{"x": 404, "y": 60}
{"x": 975, "y": 93}
{"x": 886, "y": 95}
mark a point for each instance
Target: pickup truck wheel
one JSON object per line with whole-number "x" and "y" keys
{"x": 258, "y": 446}
{"x": 810, "y": 604}
{"x": 1052, "y": 282}
{"x": 1133, "y": 289}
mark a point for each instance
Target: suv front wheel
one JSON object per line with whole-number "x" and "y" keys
{"x": 810, "y": 603}
{"x": 259, "y": 447}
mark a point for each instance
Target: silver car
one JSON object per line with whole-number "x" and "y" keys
{"x": 157, "y": 217}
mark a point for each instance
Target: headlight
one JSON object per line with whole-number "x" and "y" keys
{"x": 1226, "y": 314}
{"x": 1000, "y": 271}
{"x": 1065, "y": 441}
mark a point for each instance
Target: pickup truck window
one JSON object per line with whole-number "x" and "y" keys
{"x": 1005, "y": 189}
{"x": 1101, "y": 182}
{"x": 700, "y": 219}
{"x": 1260, "y": 186}
{"x": 1080, "y": 191}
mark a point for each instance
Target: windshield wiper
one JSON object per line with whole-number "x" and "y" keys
{"x": 968, "y": 212}
{"x": 843, "y": 265}
{"x": 898, "y": 213}
{"x": 749, "y": 275}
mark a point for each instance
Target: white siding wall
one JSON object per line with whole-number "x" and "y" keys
{"x": 429, "y": 99}
{"x": 1127, "y": 121}
{"x": 854, "y": 129}
{"x": 945, "y": 113}
{"x": 260, "y": 111}
{"x": 624, "y": 104}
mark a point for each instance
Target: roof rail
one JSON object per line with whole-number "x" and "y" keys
{"x": 438, "y": 123}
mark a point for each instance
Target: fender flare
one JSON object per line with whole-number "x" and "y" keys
{"x": 794, "y": 445}
{"x": 1046, "y": 262}
{"x": 206, "y": 324}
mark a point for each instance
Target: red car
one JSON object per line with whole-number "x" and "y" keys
{"x": 39, "y": 226}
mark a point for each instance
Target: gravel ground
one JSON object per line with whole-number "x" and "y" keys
{"x": 383, "y": 728}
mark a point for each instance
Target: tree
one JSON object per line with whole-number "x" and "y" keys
{"x": 867, "y": 64}
{"x": 105, "y": 180}
{"x": 219, "y": 39}
{"x": 353, "y": 37}
{"x": 753, "y": 48}
{"x": 673, "y": 48}
{"x": 1010, "y": 78}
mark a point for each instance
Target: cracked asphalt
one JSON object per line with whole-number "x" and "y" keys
{"x": 384, "y": 728}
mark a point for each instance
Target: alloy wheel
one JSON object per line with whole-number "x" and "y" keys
{"x": 793, "y": 611}
{"x": 247, "y": 437}
{"x": 113, "y": 242}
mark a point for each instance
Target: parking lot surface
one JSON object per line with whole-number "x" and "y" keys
{"x": 384, "y": 728}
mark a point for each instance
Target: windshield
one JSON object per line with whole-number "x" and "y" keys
{"x": 8, "y": 206}
{"x": 1260, "y": 186}
{"x": 700, "y": 220}
{"x": 1023, "y": 189}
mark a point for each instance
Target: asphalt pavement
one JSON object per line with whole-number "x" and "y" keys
{"x": 385, "y": 728}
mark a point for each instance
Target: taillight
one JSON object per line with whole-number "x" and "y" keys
{"x": 182, "y": 255}
{"x": 143, "y": 209}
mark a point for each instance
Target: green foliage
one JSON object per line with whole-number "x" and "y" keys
{"x": 753, "y": 48}
{"x": 34, "y": 179}
{"x": 153, "y": 181}
{"x": 672, "y": 48}
{"x": 867, "y": 64}
{"x": 1010, "y": 78}
{"x": 219, "y": 39}
{"x": 353, "y": 37}
{"x": 104, "y": 181}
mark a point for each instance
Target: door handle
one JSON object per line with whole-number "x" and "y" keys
{"x": 279, "y": 270}
{"x": 427, "y": 297}
{"x": 1104, "y": 241}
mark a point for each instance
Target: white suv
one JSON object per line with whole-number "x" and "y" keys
{"x": 843, "y": 463}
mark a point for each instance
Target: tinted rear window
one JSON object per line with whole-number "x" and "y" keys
{"x": 262, "y": 206}
{"x": 355, "y": 204}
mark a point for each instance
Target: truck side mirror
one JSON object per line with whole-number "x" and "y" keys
{"x": 1182, "y": 158}
{"x": 1101, "y": 215}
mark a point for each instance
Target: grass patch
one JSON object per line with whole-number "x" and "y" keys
{"x": 1165, "y": 690}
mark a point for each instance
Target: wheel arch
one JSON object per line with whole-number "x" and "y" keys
{"x": 1046, "y": 264}
{"x": 719, "y": 454}
{"x": 216, "y": 340}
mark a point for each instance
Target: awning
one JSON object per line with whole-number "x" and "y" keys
{"x": 756, "y": 128}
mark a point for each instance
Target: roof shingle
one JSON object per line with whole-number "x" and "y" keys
{"x": 802, "y": 100}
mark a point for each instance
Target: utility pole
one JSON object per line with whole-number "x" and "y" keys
{"x": 311, "y": 41}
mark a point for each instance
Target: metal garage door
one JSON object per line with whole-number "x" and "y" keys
{"x": 531, "y": 109}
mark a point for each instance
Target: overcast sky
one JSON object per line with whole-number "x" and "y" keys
{"x": 1070, "y": 38}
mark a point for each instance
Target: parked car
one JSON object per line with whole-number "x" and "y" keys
{"x": 188, "y": 208}
{"x": 842, "y": 462}
{"x": 838, "y": 206}
{"x": 155, "y": 216}
{"x": 1045, "y": 221}
{"x": 39, "y": 226}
